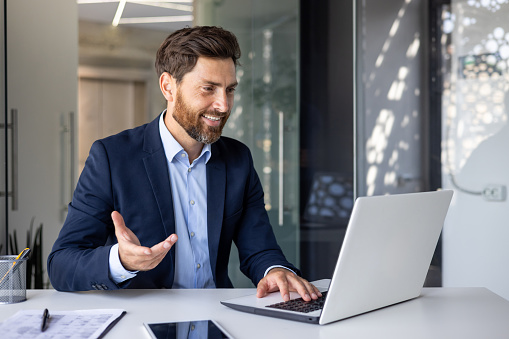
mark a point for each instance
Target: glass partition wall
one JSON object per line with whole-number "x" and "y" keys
{"x": 473, "y": 81}
{"x": 266, "y": 114}
{"x": 326, "y": 138}
{"x": 392, "y": 134}
{"x": 408, "y": 106}
{"x": 391, "y": 101}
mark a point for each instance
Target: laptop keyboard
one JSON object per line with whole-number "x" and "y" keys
{"x": 299, "y": 305}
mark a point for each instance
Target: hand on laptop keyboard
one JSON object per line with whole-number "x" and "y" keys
{"x": 300, "y": 305}
{"x": 286, "y": 281}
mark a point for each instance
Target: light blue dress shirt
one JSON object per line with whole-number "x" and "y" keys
{"x": 189, "y": 193}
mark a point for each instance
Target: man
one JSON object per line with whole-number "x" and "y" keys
{"x": 174, "y": 178}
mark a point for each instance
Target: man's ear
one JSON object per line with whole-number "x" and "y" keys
{"x": 166, "y": 85}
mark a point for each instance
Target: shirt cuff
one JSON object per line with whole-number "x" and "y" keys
{"x": 117, "y": 271}
{"x": 271, "y": 267}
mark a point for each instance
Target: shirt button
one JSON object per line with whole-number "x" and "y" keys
{"x": 192, "y": 202}
{"x": 122, "y": 276}
{"x": 192, "y": 327}
{"x": 198, "y": 265}
{"x": 189, "y": 169}
{"x": 183, "y": 155}
{"x": 192, "y": 234}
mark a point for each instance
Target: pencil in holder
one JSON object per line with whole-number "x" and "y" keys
{"x": 12, "y": 279}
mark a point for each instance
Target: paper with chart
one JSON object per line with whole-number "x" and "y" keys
{"x": 83, "y": 324}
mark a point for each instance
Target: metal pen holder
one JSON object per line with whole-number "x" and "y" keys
{"x": 12, "y": 279}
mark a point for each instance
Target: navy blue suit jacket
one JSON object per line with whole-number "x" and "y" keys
{"x": 128, "y": 173}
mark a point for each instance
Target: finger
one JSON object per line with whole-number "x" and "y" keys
{"x": 262, "y": 288}
{"x": 298, "y": 285}
{"x": 123, "y": 233}
{"x": 164, "y": 246}
{"x": 159, "y": 251}
{"x": 310, "y": 288}
{"x": 282, "y": 284}
{"x": 119, "y": 224}
{"x": 317, "y": 291}
{"x": 170, "y": 241}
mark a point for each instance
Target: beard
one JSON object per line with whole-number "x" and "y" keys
{"x": 191, "y": 121}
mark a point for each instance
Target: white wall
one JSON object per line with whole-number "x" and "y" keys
{"x": 42, "y": 58}
{"x": 475, "y": 140}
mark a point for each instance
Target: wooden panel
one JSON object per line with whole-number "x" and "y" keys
{"x": 117, "y": 106}
{"x": 107, "y": 107}
{"x": 140, "y": 103}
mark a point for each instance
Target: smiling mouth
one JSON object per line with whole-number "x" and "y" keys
{"x": 211, "y": 117}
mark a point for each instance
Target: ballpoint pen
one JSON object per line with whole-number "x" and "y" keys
{"x": 45, "y": 322}
{"x": 20, "y": 256}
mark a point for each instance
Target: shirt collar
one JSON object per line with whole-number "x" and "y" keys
{"x": 172, "y": 147}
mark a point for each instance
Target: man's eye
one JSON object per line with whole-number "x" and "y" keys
{"x": 231, "y": 90}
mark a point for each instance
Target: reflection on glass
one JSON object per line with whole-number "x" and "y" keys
{"x": 389, "y": 110}
{"x": 330, "y": 201}
{"x": 475, "y": 135}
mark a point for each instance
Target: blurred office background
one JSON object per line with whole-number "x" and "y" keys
{"x": 337, "y": 99}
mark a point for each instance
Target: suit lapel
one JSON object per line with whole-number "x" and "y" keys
{"x": 160, "y": 182}
{"x": 216, "y": 190}
{"x": 157, "y": 172}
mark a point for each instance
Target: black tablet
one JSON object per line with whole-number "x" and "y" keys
{"x": 187, "y": 330}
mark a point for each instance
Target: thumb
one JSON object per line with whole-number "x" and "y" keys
{"x": 262, "y": 288}
{"x": 120, "y": 227}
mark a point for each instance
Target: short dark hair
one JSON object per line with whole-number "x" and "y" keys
{"x": 180, "y": 51}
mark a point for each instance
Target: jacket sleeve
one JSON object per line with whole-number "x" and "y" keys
{"x": 79, "y": 258}
{"x": 255, "y": 239}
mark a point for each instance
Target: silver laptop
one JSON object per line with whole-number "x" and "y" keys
{"x": 384, "y": 259}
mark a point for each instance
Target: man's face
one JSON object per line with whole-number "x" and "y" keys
{"x": 204, "y": 99}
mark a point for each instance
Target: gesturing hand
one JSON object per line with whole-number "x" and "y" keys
{"x": 133, "y": 256}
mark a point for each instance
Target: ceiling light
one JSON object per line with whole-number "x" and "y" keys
{"x": 80, "y": 2}
{"x": 163, "y": 4}
{"x": 118, "y": 14}
{"x": 156, "y": 19}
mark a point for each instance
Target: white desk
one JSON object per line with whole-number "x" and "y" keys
{"x": 438, "y": 313}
